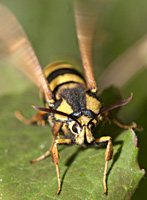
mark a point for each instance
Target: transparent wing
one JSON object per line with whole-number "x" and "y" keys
{"x": 86, "y": 16}
{"x": 16, "y": 49}
{"x": 126, "y": 66}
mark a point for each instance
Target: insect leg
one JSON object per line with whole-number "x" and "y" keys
{"x": 108, "y": 116}
{"x": 133, "y": 125}
{"x": 108, "y": 156}
{"x": 55, "y": 132}
{"x": 38, "y": 118}
{"x": 41, "y": 157}
{"x": 55, "y": 158}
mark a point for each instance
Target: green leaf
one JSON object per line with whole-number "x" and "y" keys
{"x": 81, "y": 169}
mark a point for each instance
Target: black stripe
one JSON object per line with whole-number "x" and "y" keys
{"x": 62, "y": 71}
{"x": 65, "y": 83}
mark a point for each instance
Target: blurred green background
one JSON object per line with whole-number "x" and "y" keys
{"x": 50, "y": 27}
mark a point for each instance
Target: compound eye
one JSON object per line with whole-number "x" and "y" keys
{"x": 91, "y": 126}
{"x": 74, "y": 128}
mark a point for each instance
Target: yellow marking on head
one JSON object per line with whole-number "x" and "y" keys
{"x": 84, "y": 120}
{"x": 93, "y": 104}
{"x": 64, "y": 107}
{"x": 80, "y": 137}
{"x": 89, "y": 135}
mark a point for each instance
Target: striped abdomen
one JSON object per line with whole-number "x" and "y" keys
{"x": 62, "y": 75}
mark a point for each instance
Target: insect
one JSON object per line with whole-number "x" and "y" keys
{"x": 72, "y": 105}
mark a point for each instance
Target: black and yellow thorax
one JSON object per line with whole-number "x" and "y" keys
{"x": 72, "y": 98}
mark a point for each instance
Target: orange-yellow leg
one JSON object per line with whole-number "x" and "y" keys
{"x": 41, "y": 157}
{"x": 55, "y": 159}
{"x": 38, "y": 118}
{"x": 54, "y": 151}
{"x": 108, "y": 156}
{"x": 55, "y": 131}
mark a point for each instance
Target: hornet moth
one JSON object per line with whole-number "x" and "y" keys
{"x": 72, "y": 106}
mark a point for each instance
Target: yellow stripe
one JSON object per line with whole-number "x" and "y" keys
{"x": 65, "y": 78}
{"x": 61, "y": 78}
{"x": 54, "y": 66}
